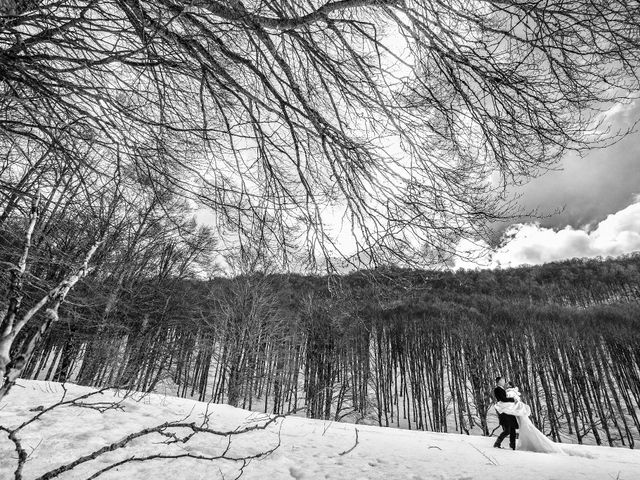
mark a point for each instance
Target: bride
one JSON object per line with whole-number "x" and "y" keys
{"x": 531, "y": 439}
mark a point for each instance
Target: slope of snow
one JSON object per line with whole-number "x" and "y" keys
{"x": 308, "y": 449}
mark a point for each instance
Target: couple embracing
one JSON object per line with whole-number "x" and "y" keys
{"x": 514, "y": 415}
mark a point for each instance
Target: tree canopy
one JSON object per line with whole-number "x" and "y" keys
{"x": 405, "y": 118}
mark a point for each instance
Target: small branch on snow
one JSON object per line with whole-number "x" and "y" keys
{"x": 492, "y": 460}
{"x": 100, "y": 406}
{"x": 61, "y": 403}
{"x": 34, "y": 449}
{"x": 244, "y": 460}
{"x": 23, "y": 456}
{"x": 354, "y": 445}
{"x": 22, "y": 453}
{"x": 164, "y": 429}
{"x": 326, "y": 428}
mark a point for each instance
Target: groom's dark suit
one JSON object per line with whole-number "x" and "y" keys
{"x": 509, "y": 423}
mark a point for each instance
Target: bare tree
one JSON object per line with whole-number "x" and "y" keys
{"x": 393, "y": 114}
{"x": 13, "y": 321}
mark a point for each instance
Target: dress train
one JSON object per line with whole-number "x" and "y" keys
{"x": 530, "y": 438}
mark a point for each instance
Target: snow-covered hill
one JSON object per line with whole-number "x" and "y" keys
{"x": 306, "y": 449}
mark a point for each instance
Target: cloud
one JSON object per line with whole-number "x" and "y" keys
{"x": 586, "y": 189}
{"x": 531, "y": 243}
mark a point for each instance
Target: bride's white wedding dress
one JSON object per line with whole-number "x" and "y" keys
{"x": 531, "y": 439}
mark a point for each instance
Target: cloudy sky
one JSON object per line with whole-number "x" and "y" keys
{"x": 599, "y": 198}
{"x": 588, "y": 207}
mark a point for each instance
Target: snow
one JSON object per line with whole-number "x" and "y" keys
{"x": 308, "y": 449}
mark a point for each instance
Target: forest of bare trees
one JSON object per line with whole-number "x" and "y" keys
{"x": 405, "y": 348}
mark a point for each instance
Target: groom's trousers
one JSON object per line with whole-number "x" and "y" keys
{"x": 507, "y": 431}
{"x": 510, "y": 426}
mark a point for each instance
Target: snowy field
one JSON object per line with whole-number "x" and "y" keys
{"x": 97, "y": 444}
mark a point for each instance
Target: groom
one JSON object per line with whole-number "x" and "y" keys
{"x": 509, "y": 423}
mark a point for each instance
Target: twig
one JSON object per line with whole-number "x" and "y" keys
{"x": 245, "y": 460}
{"x": 59, "y": 404}
{"x": 99, "y": 406}
{"x": 167, "y": 430}
{"x": 34, "y": 448}
{"x": 326, "y": 427}
{"x": 492, "y": 460}
{"x": 22, "y": 453}
{"x": 354, "y": 445}
{"x": 161, "y": 429}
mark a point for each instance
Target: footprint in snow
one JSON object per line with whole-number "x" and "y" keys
{"x": 296, "y": 473}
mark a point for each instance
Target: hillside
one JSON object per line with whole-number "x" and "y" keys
{"x": 309, "y": 449}
{"x": 392, "y": 347}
